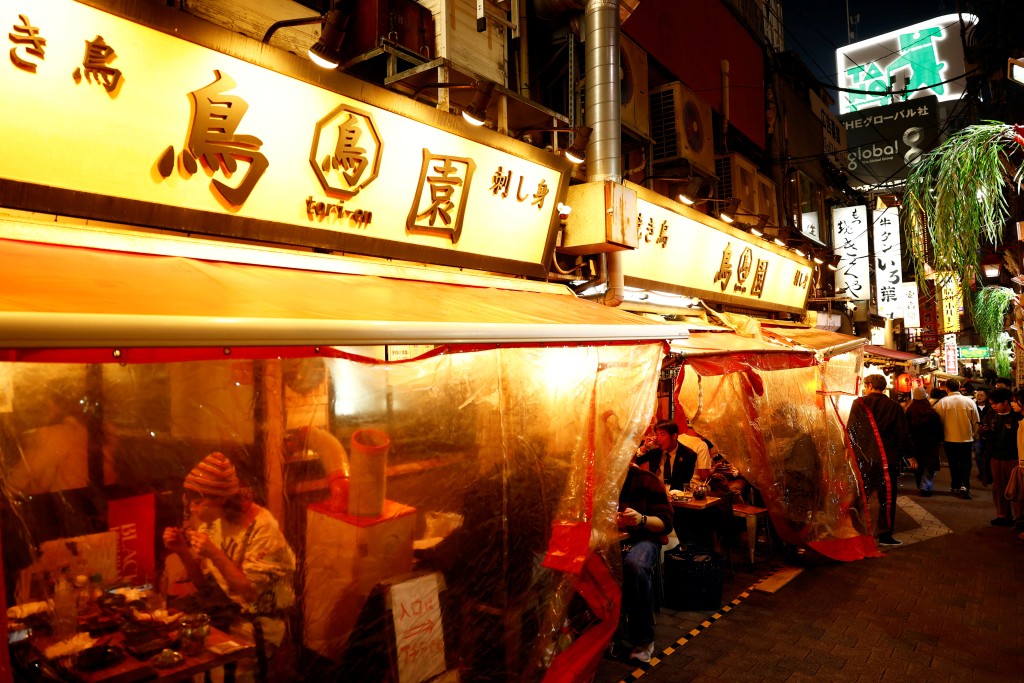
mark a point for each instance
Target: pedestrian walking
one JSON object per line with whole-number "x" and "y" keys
{"x": 1001, "y": 451}
{"x": 878, "y": 432}
{"x": 925, "y": 428}
{"x": 960, "y": 428}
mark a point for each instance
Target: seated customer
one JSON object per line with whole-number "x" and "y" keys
{"x": 681, "y": 459}
{"x": 726, "y": 479}
{"x": 233, "y": 548}
{"x": 645, "y": 513}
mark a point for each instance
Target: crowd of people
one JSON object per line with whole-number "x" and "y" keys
{"x": 968, "y": 427}
{"x": 974, "y": 427}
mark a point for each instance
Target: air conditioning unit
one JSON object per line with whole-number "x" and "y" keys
{"x": 737, "y": 177}
{"x": 633, "y": 84}
{"x": 681, "y": 127}
{"x": 481, "y": 53}
{"x": 767, "y": 199}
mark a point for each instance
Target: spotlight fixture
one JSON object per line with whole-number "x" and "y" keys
{"x": 326, "y": 52}
{"x": 476, "y": 113}
{"x": 762, "y": 222}
{"x": 817, "y": 259}
{"x": 691, "y": 192}
{"x": 577, "y": 151}
{"x": 833, "y": 261}
{"x": 728, "y": 213}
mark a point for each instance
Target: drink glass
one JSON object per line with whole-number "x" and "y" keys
{"x": 193, "y": 631}
{"x": 687, "y": 493}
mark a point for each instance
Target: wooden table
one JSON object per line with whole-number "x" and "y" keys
{"x": 132, "y": 669}
{"x": 698, "y": 509}
{"x": 694, "y": 504}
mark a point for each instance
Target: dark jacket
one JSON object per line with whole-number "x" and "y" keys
{"x": 644, "y": 492}
{"x": 925, "y": 427}
{"x": 678, "y": 473}
{"x": 892, "y": 428}
{"x": 1001, "y": 440}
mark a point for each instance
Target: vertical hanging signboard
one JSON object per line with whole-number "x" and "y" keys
{"x": 850, "y": 237}
{"x": 929, "y": 315}
{"x": 911, "y": 310}
{"x": 951, "y": 299}
{"x": 950, "y": 353}
{"x": 888, "y": 262}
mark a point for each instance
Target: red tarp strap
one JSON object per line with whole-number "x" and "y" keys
{"x": 885, "y": 464}
{"x": 174, "y": 354}
{"x": 725, "y": 363}
{"x": 6, "y": 673}
{"x": 598, "y": 588}
{"x": 860, "y": 546}
{"x": 570, "y": 540}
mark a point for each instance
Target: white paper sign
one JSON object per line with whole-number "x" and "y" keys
{"x": 850, "y": 237}
{"x": 911, "y": 307}
{"x": 419, "y": 636}
{"x": 949, "y": 353}
{"x": 888, "y": 261}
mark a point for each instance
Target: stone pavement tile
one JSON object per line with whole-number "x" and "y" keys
{"x": 799, "y": 664}
{"x": 918, "y": 658}
{"x": 835, "y": 639}
{"x": 736, "y": 675}
{"x": 916, "y": 672}
{"x": 758, "y": 657}
{"x": 828, "y": 663}
{"x": 787, "y": 649}
{"x": 861, "y": 667}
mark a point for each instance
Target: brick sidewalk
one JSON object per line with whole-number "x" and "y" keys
{"x": 942, "y": 607}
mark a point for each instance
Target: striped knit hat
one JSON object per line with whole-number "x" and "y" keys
{"x": 213, "y": 476}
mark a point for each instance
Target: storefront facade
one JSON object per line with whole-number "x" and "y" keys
{"x": 173, "y": 197}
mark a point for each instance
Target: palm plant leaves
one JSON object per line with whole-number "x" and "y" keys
{"x": 990, "y": 307}
{"x": 956, "y": 195}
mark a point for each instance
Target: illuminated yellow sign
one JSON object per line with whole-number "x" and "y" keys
{"x": 99, "y": 105}
{"x": 688, "y": 252}
{"x": 951, "y": 300}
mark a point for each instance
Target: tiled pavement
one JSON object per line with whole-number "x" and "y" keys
{"x": 948, "y": 605}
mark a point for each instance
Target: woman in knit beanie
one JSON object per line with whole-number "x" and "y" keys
{"x": 237, "y": 544}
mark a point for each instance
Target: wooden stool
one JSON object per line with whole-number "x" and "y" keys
{"x": 753, "y": 515}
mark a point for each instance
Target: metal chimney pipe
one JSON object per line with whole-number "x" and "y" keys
{"x": 603, "y": 113}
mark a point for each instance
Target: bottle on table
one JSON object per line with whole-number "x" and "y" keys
{"x": 65, "y": 606}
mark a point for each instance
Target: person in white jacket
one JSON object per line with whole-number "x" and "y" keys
{"x": 960, "y": 428}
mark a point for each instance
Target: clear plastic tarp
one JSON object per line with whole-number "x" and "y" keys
{"x": 390, "y": 521}
{"x": 785, "y": 434}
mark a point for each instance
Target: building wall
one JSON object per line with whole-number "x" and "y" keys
{"x": 691, "y": 38}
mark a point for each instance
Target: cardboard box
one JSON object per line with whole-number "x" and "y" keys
{"x": 346, "y": 556}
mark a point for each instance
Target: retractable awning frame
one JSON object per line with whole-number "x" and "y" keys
{"x": 55, "y": 296}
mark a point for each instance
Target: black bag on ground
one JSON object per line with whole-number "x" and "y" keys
{"x": 693, "y": 578}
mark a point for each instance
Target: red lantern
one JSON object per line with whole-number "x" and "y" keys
{"x": 904, "y": 384}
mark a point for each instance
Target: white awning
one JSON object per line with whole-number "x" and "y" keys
{"x": 60, "y": 296}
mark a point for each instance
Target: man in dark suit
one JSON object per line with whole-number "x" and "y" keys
{"x": 675, "y": 457}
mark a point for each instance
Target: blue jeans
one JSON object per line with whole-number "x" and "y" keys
{"x": 925, "y": 478}
{"x": 638, "y": 591}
